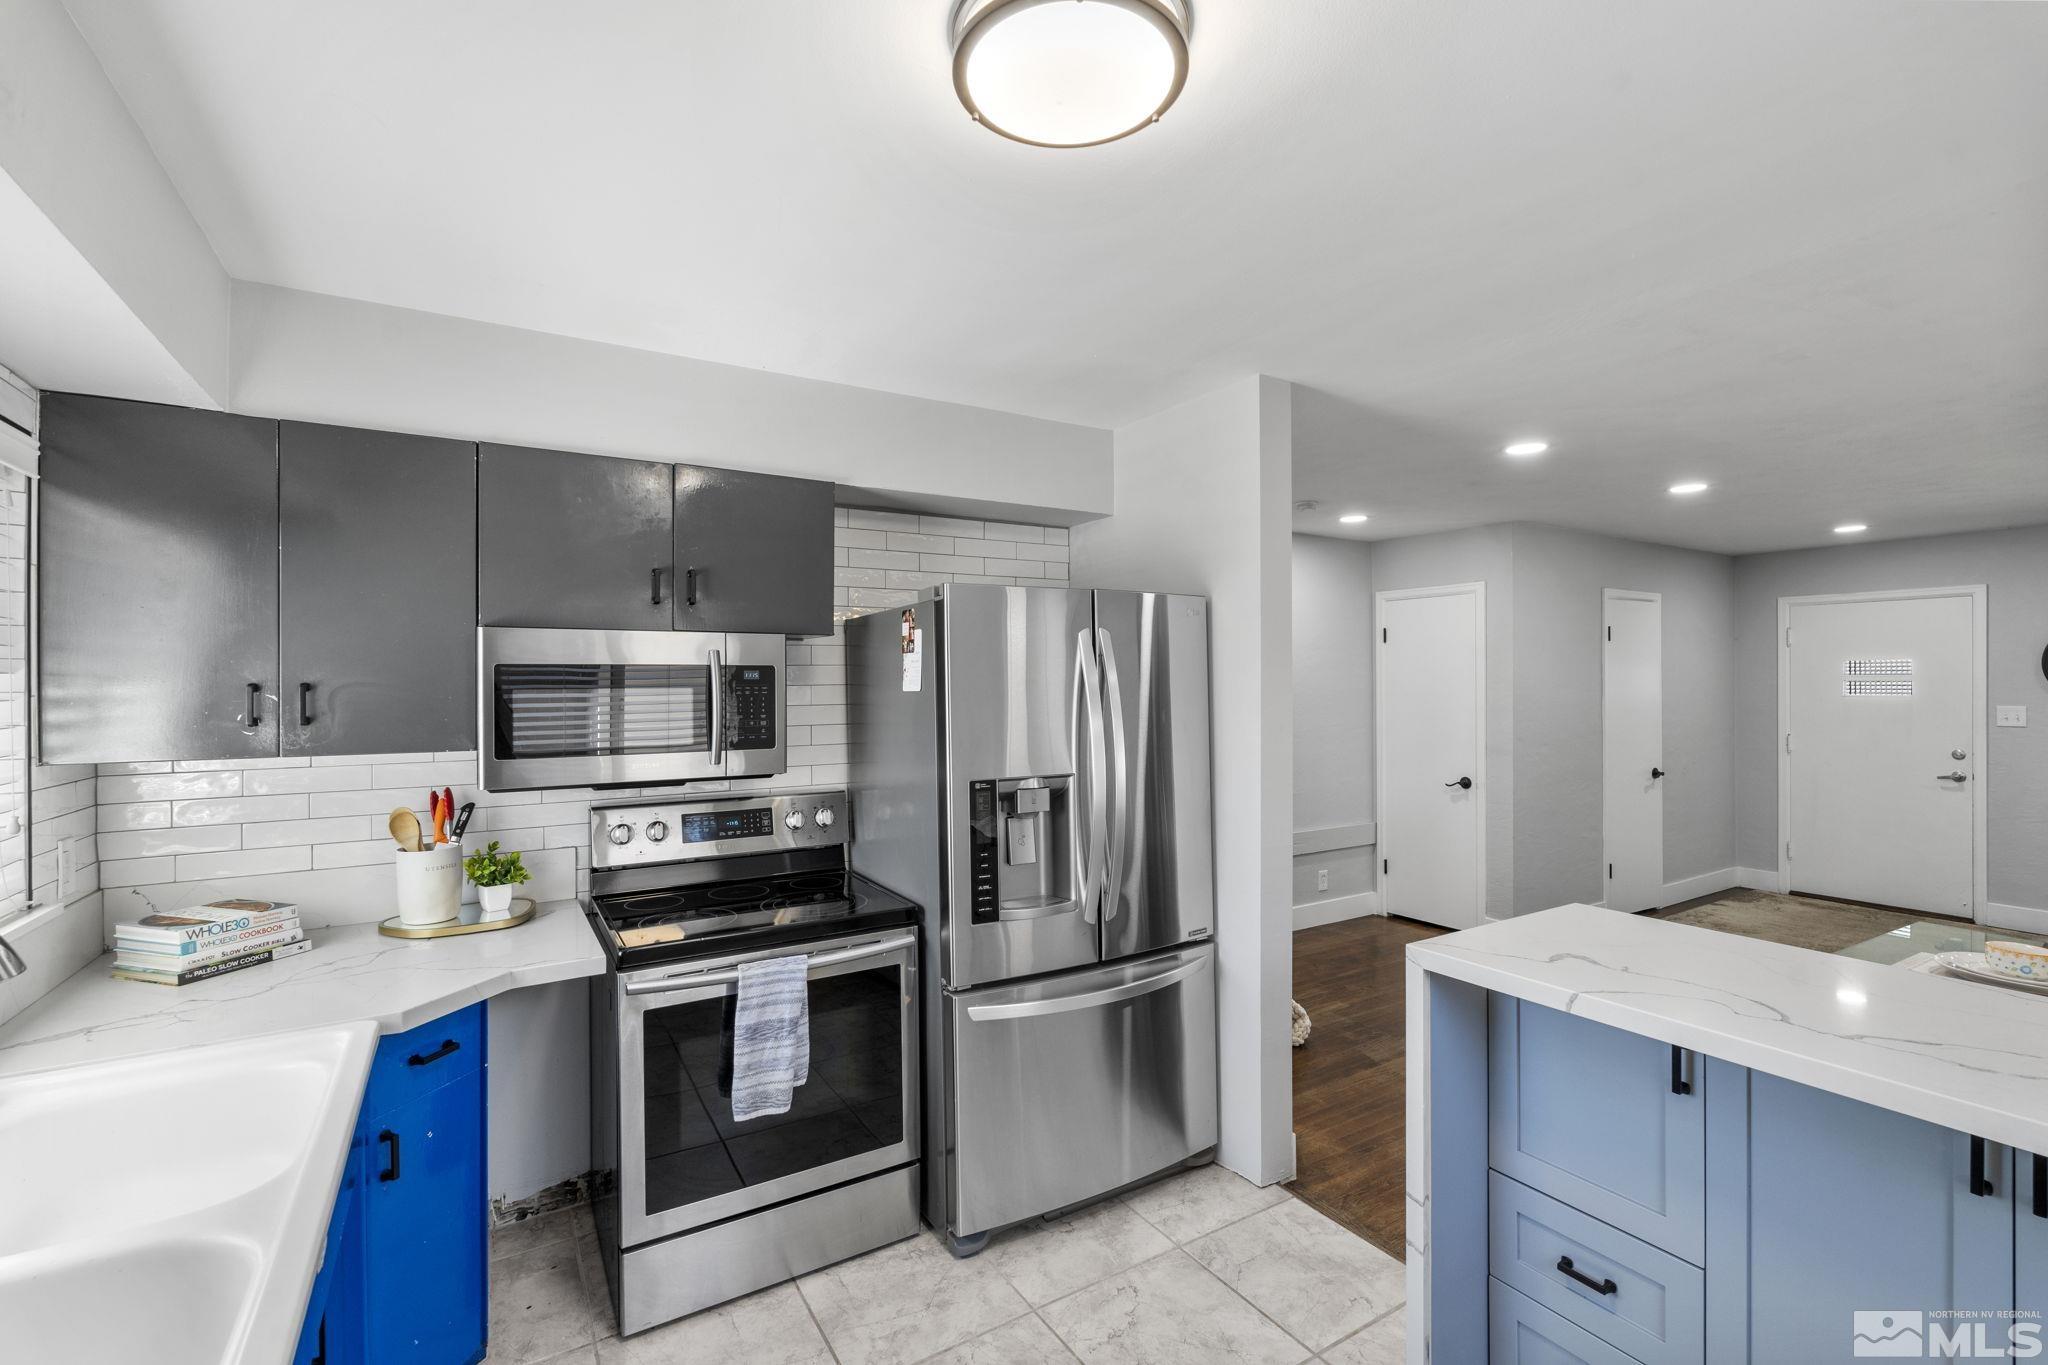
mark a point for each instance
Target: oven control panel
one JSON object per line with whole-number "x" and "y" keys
{"x": 635, "y": 833}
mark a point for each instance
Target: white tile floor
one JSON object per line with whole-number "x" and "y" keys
{"x": 1202, "y": 1267}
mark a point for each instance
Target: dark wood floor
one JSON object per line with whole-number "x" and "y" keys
{"x": 1350, "y": 1090}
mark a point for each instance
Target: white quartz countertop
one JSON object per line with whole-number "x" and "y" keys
{"x": 351, "y": 973}
{"x": 1966, "y": 1056}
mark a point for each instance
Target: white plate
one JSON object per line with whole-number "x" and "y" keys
{"x": 1976, "y": 965}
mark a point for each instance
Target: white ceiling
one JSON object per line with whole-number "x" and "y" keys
{"x": 1799, "y": 250}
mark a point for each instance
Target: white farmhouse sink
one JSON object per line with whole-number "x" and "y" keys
{"x": 173, "y": 1207}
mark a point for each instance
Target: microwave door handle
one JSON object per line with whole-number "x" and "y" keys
{"x": 717, "y": 706}
{"x": 1120, "y": 791}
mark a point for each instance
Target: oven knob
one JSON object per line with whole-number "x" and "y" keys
{"x": 824, "y": 817}
{"x": 620, "y": 834}
{"x": 656, "y": 830}
{"x": 795, "y": 818}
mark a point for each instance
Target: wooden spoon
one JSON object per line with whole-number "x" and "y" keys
{"x": 405, "y": 829}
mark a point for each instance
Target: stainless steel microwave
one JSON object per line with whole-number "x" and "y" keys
{"x": 637, "y": 708}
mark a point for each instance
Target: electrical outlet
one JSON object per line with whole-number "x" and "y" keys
{"x": 67, "y": 868}
{"x": 1322, "y": 879}
{"x": 2014, "y": 716}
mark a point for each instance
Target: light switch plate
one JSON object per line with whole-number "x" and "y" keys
{"x": 2012, "y": 716}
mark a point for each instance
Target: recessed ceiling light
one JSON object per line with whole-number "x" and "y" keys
{"x": 1851, "y": 528}
{"x": 1682, "y": 489}
{"x": 1352, "y": 518}
{"x": 1523, "y": 449}
{"x": 1069, "y": 73}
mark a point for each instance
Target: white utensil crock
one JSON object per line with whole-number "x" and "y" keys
{"x": 429, "y": 884}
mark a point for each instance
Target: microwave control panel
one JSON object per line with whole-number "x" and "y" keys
{"x": 750, "y": 699}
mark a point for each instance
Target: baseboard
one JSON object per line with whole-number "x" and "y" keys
{"x": 2024, "y": 918}
{"x": 1336, "y": 909}
{"x": 1758, "y": 879}
{"x": 1705, "y": 884}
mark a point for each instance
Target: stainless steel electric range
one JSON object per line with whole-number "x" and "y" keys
{"x": 694, "y": 1208}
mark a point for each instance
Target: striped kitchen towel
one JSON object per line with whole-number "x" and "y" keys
{"x": 771, "y": 1036}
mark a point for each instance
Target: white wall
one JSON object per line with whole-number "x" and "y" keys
{"x": 67, "y": 141}
{"x": 1203, "y": 497}
{"x": 324, "y": 359}
{"x": 2014, "y": 566}
{"x": 1333, "y": 729}
{"x": 1559, "y": 644}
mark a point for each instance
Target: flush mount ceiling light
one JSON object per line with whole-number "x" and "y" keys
{"x": 1069, "y": 73}
{"x": 1352, "y": 518}
{"x": 1522, "y": 450}
{"x": 1687, "y": 489}
{"x": 1851, "y": 528}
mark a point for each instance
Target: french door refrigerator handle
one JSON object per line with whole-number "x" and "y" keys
{"x": 717, "y": 706}
{"x": 1120, "y": 755}
{"x": 1087, "y": 1000}
{"x": 1098, "y": 832}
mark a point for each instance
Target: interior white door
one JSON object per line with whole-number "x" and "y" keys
{"x": 1632, "y": 750}
{"x": 1880, "y": 750}
{"x": 1431, "y": 745}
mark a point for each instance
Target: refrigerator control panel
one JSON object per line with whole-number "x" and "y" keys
{"x": 981, "y": 861}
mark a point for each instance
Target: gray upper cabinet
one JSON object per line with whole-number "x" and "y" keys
{"x": 378, "y": 571}
{"x": 753, "y": 552}
{"x": 158, "y": 582}
{"x": 574, "y": 540}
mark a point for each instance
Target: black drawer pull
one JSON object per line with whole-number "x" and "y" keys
{"x": 2041, "y": 1187}
{"x": 390, "y": 1139}
{"x": 1564, "y": 1263}
{"x": 1980, "y": 1183}
{"x": 1679, "y": 1084}
{"x": 447, "y": 1046}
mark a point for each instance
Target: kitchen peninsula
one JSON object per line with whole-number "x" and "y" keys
{"x": 1634, "y": 1140}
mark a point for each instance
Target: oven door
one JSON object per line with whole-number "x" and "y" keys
{"x": 593, "y": 708}
{"x": 684, "y": 1162}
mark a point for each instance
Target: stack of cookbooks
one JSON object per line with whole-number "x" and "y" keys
{"x": 206, "y": 941}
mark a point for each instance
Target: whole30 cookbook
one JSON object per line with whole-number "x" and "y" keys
{"x": 187, "y": 946}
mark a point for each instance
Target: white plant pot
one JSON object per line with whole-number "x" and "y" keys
{"x": 495, "y": 900}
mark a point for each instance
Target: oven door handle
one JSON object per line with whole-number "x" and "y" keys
{"x": 717, "y": 706}
{"x": 726, "y": 976}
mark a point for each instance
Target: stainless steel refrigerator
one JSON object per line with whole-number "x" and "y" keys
{"x": 1031, "y": 765}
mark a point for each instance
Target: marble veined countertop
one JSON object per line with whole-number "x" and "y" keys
{"x": 351, "y": 973}
{"x": 1966, "y": 1056}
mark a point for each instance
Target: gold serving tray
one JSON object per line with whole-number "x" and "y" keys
{"x": 523, "y": 909}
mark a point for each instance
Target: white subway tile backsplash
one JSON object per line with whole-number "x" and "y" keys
{"x": 312, "y": 830}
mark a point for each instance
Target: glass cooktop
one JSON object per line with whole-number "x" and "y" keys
{"x": 666, "y": 923}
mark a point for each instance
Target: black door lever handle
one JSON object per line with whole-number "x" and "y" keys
{"x": 1464, "y": 782}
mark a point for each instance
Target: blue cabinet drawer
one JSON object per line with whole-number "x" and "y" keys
{"x": 1521, "y": 1331}
{"x": 423, "y": 1059}
{"x": 1642, "y": 1300}
{"x": 1607, "y": 1121}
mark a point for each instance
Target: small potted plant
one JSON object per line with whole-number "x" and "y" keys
{"x": 494, "y": 875}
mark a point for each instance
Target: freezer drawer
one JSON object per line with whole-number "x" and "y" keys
{"x": 1070, "y": 1086}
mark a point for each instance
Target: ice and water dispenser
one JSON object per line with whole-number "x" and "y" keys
{"x": 1022, "y": 847}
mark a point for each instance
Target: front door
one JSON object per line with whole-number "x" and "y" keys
{"x": 1880, "y": 750}
{"x": 1632, "y": 750}
{"x": 1432, "y": 825}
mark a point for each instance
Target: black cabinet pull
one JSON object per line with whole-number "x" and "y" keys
{"x": 689, "y": 587}
{"x": 255, "y": 712}
{"x": 1679, "y": 1084}
{"x": 448, "y": 1045}
{"x": 655, "y": 589}
{"x": 390, "y": 1139}
{"x": 305, "y": 703}
{"x": 2041, "y": 1187}
{"x": 1564, "y": 1263}
{"x": 1980, "y": 1183}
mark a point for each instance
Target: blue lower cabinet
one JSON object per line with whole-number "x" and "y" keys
{"x": 2030, "y": 1223}
{"x": 1521, "y": 1331}
{"x": 405, "y": 1279}
{"x": 1854, "y": 1210}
